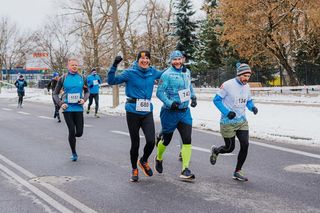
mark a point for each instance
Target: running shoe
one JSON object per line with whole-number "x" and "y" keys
{"x": 145, "y": 168}
{"x": 214, "y": 155}
{"x": 134, "y": 175}
{"x": 96, "y": 115}
{"x": 74, "y": 157}
{"x": 158, "y": 165}
{"x": 238, "y": 175}
{"x": 187, "y": 175}
{"x": 88, "y": 111}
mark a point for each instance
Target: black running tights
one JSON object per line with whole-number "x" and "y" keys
{"x": 146, "y": 123}
{"x": 96, "y": 101}
{"x": 75, "y": 124}
{"x": 185, "y": 131}
{"x": 243, "y": 136}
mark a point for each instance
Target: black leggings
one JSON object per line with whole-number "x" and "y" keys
{"x": 20, "y": 99}
{"x": 185, "y": 131}
{"x": 146, "y": 123}
{"x": 243, "y": 136}
{"x": 75, "y": 124}
{"x": 56, "y": 108}
{"x": 96, "y": 101}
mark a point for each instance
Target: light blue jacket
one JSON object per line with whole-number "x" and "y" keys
{"x": 139, "y": 83}
{"x": 93, "y": 83}
{"x": 171, "y": 82}
{"x": 233, "y": 96}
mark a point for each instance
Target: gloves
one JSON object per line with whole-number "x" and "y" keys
{"x": 174, "y": 105}
{"x": 117, "y": 61}
{"x": 231, "y": 115}
{"x": 255, "y": 110}
{"x": 193, "y": 102}
{"x": 184, "y": 69}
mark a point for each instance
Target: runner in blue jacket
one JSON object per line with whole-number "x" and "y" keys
{"x": 94, "y": 82}
{"x": 232, "y": 100}
{"x": 139, "y": 81}
{"x": 175, "y": 91}
{"x": 20, "y": 84}
{"x": 73, "y": 98}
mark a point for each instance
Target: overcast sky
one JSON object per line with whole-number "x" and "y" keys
{"x": 30, "y": 14}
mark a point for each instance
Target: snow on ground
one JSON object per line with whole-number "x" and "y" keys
{"x": 281, "y": 118}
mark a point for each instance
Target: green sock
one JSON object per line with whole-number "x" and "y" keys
{"x": 186, "y": 155}
{"x": 161, "y": 149}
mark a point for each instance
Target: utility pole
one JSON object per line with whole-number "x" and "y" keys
{"x": 115, "y": 88}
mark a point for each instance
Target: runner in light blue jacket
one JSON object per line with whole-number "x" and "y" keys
{"x": 139, "y": 81}
{"x": 232, "y": 100}
{"x": 175, "y": 91}
{"x": 94, "y": 82}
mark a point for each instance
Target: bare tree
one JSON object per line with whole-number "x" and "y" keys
{"x": 55, "y": 39}
{"x": 159, "y": 41}
{"x": 13, "y": 46}
{"x": 91, "y": 17}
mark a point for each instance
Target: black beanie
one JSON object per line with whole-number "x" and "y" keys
{"x": 142, "y": 54}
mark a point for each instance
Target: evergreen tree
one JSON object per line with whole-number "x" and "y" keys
{"x": 185, "y": 28}
{"x": 208, "y": 55}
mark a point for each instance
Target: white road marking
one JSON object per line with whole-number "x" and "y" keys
{"x": 274, "y": 147}
{"x": 88, "y": 125}
{"x": 24, "y": 113}
{"x": 6, "y": 109}
{"x": 124, "y": 133}
{"x": 35, "y": 190}
{"x": 45, "y": 117}
{"x": 286, "y": 149}
{"x": 82, "y": 207}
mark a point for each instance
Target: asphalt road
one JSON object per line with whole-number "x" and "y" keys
{"x": 36, "y": 174}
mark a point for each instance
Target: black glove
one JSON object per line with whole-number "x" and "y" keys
{"x": 174, "y": 105}
{"x": 184, "y": 68}
{"x": 255, "y": 110}
{"x": 231, "y": 115}
{"x": 193, "y": 102}
{"x": 117, "y": 61}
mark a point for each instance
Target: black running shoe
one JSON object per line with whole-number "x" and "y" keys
{"x": 158, "y": 165}
{"x": 187, "y": 175}
{"x": 238, "y": 175}
{"x": 214, "y": 155}
{"x": 134, "y": 175}
{"x": 74, "y": 157}
{"x": 145, "y": 168}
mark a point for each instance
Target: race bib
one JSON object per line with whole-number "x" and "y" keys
{"x": 143, "y": 105}
{"x": 240, "y": 102}
{"x": 184, "y": 95}
{"x": 95, "y": 82}
{"x": 73, "y": 98}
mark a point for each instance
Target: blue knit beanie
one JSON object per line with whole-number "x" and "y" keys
{"x": 176, "y": 54}
{"x": 242, "y": 68}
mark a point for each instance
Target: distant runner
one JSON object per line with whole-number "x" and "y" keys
{"x": 20, "y": 84}
{"x": 52, "y": 85}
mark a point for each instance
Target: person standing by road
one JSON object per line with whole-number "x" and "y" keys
{"x": 139, "y": 80}
{"x": 20, "y": 83}
{"x": 94, "y": 82}
{"x": 175, "y": 91}
{"x": 73, "y": 98}
{"x": 232, "y": 100}
{"x": 52, "y": 85}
